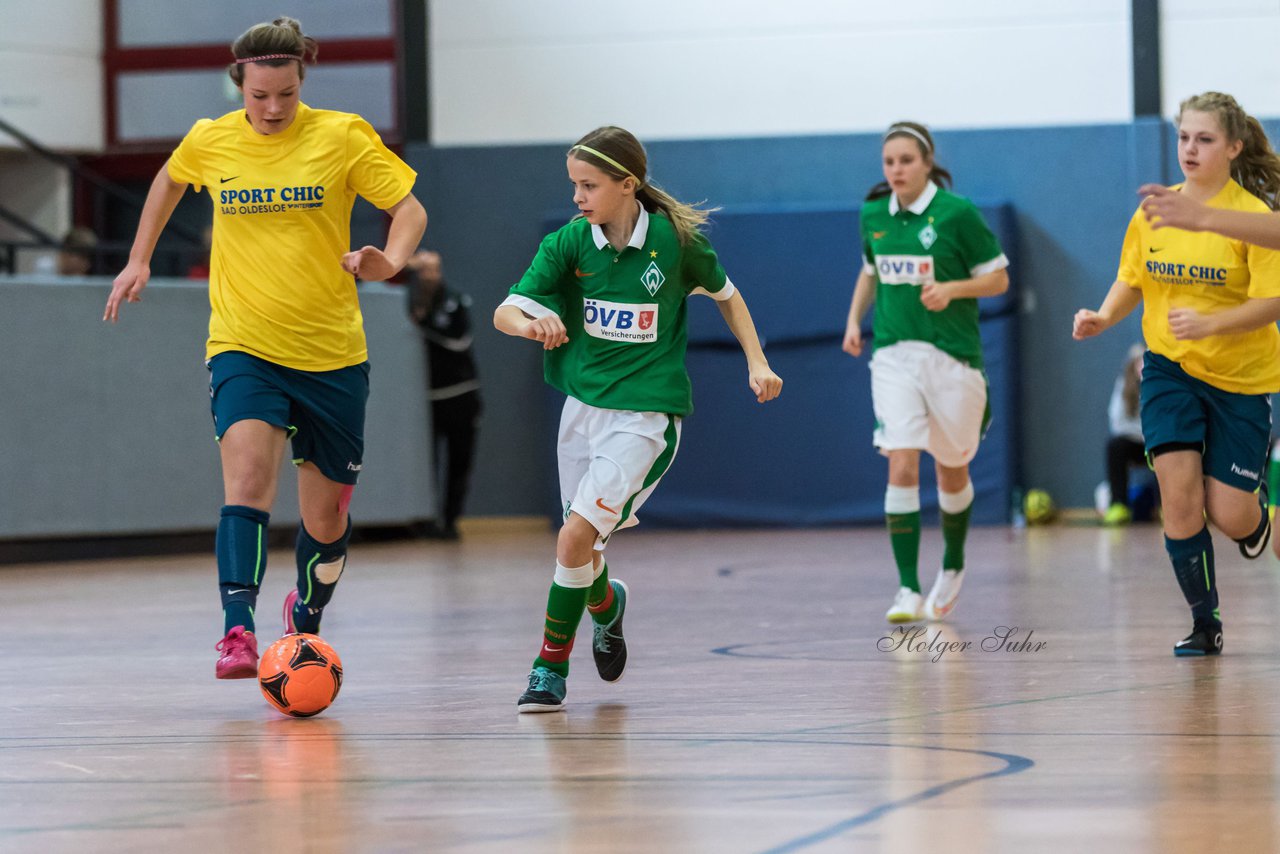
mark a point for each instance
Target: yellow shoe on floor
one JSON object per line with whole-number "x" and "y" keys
{"x": 1117, "y": 514}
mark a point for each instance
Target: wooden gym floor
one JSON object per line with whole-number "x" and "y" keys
{"x": 767, "y": 706}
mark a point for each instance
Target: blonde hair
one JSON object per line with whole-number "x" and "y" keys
{"x": 276, "y": 39}
{"x": 618, "y": 154}
{"x": 1256, "y": 167}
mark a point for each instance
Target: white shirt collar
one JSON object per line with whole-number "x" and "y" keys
{"x": 918, "y": 206}
{"x": 637, "y": 236}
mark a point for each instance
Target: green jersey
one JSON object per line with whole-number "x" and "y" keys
{"x": 624, "y": 312}
{"x": 940, "y": 237}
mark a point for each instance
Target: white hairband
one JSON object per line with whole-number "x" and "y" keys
{"x": 928, "y": 147}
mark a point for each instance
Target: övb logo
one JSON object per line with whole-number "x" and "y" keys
{"x": 620, "y": 321}
{"x": 905, "y": 269}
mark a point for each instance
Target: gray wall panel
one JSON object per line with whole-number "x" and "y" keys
{"x": 107, "y": 428}
{"x": 164, "y": 104}
{"x": 155, "y": 23}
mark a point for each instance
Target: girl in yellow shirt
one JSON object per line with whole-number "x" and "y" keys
{"x": 286, "y": 348}
{"x": 1213, "y": 352}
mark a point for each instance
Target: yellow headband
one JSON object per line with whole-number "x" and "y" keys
{"x": 607, "y": 159}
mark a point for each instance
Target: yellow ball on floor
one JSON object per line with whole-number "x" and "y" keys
{"x": 1038, "y": 507}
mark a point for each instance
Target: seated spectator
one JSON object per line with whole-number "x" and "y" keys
{"x": 1125, "y": 447}
{"x": 77, "y": 256}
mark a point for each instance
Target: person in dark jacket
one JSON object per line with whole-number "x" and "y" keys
{"x": 444, "y": 317}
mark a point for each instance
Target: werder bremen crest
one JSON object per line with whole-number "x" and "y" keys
{"x": 927, "y": 236}
{"x": 652, "y": 278}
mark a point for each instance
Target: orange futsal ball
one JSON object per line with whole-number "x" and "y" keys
{"x": 300, "y": 675}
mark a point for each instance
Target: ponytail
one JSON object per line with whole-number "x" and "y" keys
{"x": 1257, "y": 168}
{"x": 687, "y": 219}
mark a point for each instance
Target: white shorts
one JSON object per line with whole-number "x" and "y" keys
{"x": 610, "y": 462}
{"x": 927, "y": 400}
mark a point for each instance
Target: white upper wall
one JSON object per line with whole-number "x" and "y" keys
{"x": 51, "y": 72}
{"x": 511, "y": 71}
{"x": 1228, "y": 46}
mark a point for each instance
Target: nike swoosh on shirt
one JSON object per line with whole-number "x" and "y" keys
{"x": 1153, "y": 249}
{"x": 232, "y": 178}
{"x": 581, "y": 275}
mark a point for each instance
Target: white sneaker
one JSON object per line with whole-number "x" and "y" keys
{"x": 907, "y": 607}
{"x": 942, "y": 598}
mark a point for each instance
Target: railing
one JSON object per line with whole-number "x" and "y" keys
{"x": 39, "y": 239}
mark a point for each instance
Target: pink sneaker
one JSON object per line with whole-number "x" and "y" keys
{"x": 289, "y": 602}
{"x": 239, "y": 655}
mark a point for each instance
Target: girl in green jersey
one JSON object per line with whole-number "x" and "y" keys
{"x": 927, "y": 258}
{"x": 605, "y": 297}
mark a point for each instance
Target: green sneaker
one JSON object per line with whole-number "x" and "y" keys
{"x": 545, "y": 693}
{"x": 608, "y": 647}
{"x": 1117, "y": 515}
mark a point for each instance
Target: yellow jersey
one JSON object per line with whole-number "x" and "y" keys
{"x": 281, "y": 224}
{"x": 1208, "y": 273}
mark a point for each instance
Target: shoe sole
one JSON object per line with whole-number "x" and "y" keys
{"x": 899, "y": 619}
{"x": 626, "y": 593}
{"x": 536, "y": 708}
{"x": 243, "y": 672}
{"x": 1194, "y": 653}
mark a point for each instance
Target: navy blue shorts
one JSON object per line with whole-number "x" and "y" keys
{"x": 322, "y": 411}
{"x": 1232, "y": 431}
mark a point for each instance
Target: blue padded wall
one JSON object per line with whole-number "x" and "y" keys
{"x": 807, "y": 458}
{"x": 1070, "y": 214}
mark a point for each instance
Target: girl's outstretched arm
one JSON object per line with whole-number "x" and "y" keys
{"x": 162, "y": 198}
{"x": 764, "y": 382}
{"x": 1166, "y": 208}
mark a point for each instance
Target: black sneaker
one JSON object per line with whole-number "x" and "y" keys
{"x": 545, "y": 693}
{"x": 1203, "y": 640}
{"x": 1255, "y": 544}
{"x": 608, "y": 646}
